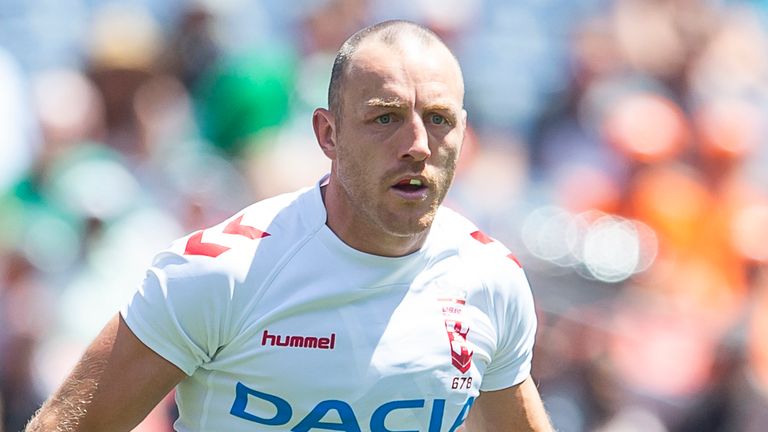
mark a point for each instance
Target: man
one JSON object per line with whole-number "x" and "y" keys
{"x": 356, "y": 305}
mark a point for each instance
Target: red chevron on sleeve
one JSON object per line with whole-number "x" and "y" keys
{"x": 236, "y": 227}
{"x": 484, "y": 239}
{"x": 513, "y": 258}
{"x": 481, "y": 237}
{"x": 195, "y": 246}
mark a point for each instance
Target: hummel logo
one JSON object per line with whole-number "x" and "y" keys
{"x": 299, "y": 341}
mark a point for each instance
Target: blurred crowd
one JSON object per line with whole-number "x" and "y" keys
{"x": 618, "y": 147}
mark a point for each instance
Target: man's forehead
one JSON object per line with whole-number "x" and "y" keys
{"x": 380, "y": 70}
{"x": 374, "y": 52}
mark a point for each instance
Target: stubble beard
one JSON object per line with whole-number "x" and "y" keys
{"x": 366, "y": 196}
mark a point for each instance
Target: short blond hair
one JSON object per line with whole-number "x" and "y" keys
{"x": 389, "y": 32}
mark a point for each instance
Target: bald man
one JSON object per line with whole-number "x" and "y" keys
{"x": 357, "y": 304}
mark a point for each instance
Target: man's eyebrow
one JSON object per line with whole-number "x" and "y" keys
{"x": 392, "y": 102}
{"x": 396, "y": 102}
{"x": 440, "y": 106}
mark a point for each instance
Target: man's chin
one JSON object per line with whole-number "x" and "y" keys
{"x": 409, "y": 227}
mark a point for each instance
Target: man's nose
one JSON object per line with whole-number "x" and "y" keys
{"x": 416, "y": 145}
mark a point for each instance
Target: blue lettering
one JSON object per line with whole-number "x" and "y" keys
{"x": 436, "y": 420}
{"x": 347, "y": 419}
{"x": 380, "y": 415}
{"x": 312, "y": 420}
{"x": 283, "y": 408}
{"x": 462, "y": 415}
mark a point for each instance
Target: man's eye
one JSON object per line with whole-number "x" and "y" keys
{"x": 437, "y": 119}
{"x": 384, "y": 119}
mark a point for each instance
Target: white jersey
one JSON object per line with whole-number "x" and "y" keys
{"x": 283, "y": 327}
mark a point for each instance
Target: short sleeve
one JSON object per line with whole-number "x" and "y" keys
{"x": 181, "y": 310}
{"x": 516, "y": 327}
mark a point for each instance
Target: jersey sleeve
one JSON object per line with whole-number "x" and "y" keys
{"x": 516, "y": 327}
{"x": 182, "y": 309}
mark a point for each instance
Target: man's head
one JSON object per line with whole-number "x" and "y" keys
{"x": 393, "y": 132}
{"x": 388, "y": 32}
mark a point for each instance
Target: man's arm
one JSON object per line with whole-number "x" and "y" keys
{"x": 114, "y": 386}
{"x": 516, "y": 409}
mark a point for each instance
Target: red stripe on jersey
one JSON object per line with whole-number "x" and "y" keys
{"x": 235, "y": 227}
{"x": 484, "y": 239}
{"x": 513, "y": 258}
{"x": 481, "y": 237}
{"x": 195, "y": 246}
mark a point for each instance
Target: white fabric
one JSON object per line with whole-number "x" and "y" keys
{"x": 376, "y": 334}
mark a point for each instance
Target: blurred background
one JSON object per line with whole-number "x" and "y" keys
{"x": 618, "y": 147}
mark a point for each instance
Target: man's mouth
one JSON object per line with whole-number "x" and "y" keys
{"x": 409, "y": 185}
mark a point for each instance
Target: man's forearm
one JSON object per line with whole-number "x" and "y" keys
{"x": 117, "y": 370}
{"x": 64, "y": 411}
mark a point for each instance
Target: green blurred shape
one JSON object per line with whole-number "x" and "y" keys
{"x": 243, "y": 96}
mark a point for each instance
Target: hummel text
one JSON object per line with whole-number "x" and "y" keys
{"x": 299, "y": 341}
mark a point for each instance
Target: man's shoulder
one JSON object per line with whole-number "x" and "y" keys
{"x": 271, "y": 224}
{"x": 487, "y": 255}
{"x": 275, "y": 209}
{"x": 482, "y": 266}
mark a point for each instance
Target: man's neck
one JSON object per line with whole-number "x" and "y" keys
{"x": 362, "y": 235}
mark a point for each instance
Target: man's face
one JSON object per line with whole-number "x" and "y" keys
{"x": 399, "y": 134}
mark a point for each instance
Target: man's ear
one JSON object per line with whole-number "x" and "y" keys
{"x": 323, "y": 122}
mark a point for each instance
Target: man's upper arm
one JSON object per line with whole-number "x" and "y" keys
{"x": 516, "y": 409}
{"x": 114, "y": 386}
